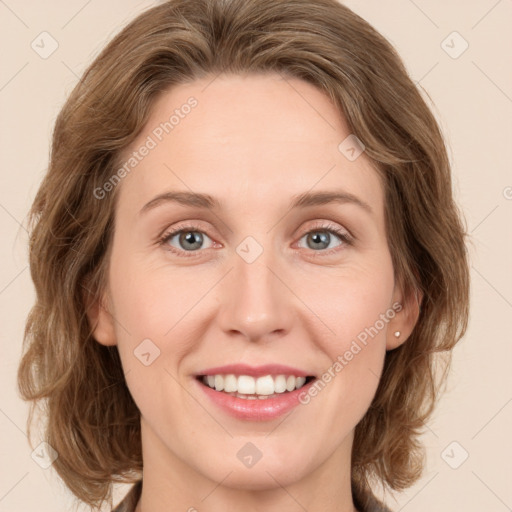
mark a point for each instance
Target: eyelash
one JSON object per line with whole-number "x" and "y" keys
{"x": 329, "y": 228}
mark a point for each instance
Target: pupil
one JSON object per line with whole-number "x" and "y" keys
{"x": 321, "y": 237}
{"x": 192, "y": 237}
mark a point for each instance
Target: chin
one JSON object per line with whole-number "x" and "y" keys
{"x": 260, "y": 479}
{"x": 269, "y": 472}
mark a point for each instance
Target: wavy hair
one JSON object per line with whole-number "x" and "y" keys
{"x": 91, "y": 418}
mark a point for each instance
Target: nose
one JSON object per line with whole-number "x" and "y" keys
{"x": 256, "y": 300}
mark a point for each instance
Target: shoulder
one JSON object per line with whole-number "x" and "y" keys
{"x": 129, "y": 502}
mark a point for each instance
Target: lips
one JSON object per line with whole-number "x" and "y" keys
{"x": 254, "y": 393}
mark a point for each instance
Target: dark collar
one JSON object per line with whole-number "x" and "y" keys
{"x": 131, "y": 499}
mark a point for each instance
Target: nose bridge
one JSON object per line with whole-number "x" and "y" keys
{"x": 256, "y": 302}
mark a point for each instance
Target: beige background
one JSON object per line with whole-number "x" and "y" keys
{"x": 472, "y": 98}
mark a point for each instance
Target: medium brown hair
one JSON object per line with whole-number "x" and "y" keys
{"x": 92, "y": 420}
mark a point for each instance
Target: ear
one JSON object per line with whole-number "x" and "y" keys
{"x": 100, "y": 318}
{"x": 407, "y": 311}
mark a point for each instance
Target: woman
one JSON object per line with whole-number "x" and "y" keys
{"x": 248, "y": 263}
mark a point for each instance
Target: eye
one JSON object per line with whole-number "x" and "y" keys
{"x": 320, "y": 238}
{"x": 189, "y": 239}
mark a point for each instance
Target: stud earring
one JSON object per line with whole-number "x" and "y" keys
{"x": 397, "y": 334}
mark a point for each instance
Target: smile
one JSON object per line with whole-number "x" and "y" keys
{"x": 254, "y": 393}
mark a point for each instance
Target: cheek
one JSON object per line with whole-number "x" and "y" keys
{"x": 356, "y": 309}
{"x": 355, "y": 305}
{"x": 153, "y": 301}
{"x": 157, "y": 314}
{"x": 151, "y": 313}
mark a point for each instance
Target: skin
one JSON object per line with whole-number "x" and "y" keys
{"x": 253, "y": 143}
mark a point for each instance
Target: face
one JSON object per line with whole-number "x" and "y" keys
{"x": 265, "y": 276}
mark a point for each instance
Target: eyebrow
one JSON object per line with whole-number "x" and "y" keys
{"x": 206, "y": 201}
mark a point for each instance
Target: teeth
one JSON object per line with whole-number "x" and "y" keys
{"x": 219, "y": 383}
{"x": 290, "y": 383}
{"x": 280, "y": 384}
{"x": 246, "y": 386}
{"x": 230, "y": 383}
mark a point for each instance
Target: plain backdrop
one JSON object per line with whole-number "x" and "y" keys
{"x": 459, "y": 52}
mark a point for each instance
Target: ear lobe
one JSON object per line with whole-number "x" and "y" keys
{"x": 100, "y": 319}
{"x": 404, "y": 321}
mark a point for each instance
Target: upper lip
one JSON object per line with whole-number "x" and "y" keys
{"x": 255, "y": 371}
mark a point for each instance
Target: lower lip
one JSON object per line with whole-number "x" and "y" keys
{"x": 258, "y": 409}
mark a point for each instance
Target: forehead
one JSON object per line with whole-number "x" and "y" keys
{"x": 246, "y": 137}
